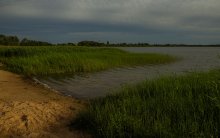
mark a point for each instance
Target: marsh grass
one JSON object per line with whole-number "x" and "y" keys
{"x": 44, "y": 61}
{"x": 184, "y": 106}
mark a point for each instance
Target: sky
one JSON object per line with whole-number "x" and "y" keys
{"x": 131, "y": 21}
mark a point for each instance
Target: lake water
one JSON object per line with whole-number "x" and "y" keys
{"x": 101, "y": 83}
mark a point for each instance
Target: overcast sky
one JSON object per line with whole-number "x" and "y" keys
{"x": 153, "y": 21}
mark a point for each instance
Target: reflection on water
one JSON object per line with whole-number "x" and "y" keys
{"x": 100, "y": 83}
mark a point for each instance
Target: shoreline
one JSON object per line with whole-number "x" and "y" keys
{"x": 28, "y": 109}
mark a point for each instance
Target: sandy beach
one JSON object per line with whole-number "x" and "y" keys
{"x": 29, "y": 110}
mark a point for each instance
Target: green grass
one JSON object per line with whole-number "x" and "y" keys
{"x": 44, "y": 61}
{"x": 184, "y": 106}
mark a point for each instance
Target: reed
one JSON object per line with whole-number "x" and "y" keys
{"x": 50, "y": 60}
{"x": 183, "y": 106}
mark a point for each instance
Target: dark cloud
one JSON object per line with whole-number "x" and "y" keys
{"x": 161, "y": 21}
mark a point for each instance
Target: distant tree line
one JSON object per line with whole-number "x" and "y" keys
{"x": 129, "y": 45}
{"x": 66, "y": 44}
{"x": 9, "y": 40}
{"x": 93, "y": 43}
{"x": 14, "y": 41}
{"x": 90, "y": 43}
{"x": 26, "y": 42}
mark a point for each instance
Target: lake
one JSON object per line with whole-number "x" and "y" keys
{"x": 99, "y": 84}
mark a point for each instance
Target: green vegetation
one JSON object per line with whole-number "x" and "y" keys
{"x": 53, "y": 60}
{"x": 9, "y": 40}
{"x": 90, "y": 43}
{"x": 184, "y": 106}
{"x": 14, "y": 41}
{"x": 26, "y": 42}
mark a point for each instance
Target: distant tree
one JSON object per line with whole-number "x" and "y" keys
{"x": 9, "y": 40}
{"x": 66, "y": 44}
{"x": 2, "y": 40}
{"x": 26, "y": 42}
{"x": 90, "y": 43}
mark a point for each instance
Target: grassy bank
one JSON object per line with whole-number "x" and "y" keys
{"x": 45, "y": 61}
{"x": 184, "y": 106}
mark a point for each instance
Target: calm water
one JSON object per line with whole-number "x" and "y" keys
{"x": 99, "y": 84}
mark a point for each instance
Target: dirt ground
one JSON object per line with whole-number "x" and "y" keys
{"x": 29, "y": 110}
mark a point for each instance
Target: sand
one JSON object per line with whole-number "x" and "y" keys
{"x": 29, "y": 110}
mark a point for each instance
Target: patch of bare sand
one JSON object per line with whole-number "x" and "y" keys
{"x": 28, "y": 110}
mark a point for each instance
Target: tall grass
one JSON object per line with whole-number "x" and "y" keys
{"x": 184, "y": 106}
{"x": 45, "y": 61}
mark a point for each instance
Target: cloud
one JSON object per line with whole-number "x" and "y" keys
{"x": 185, "y": 16}
{"x": 138, "y": 11}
